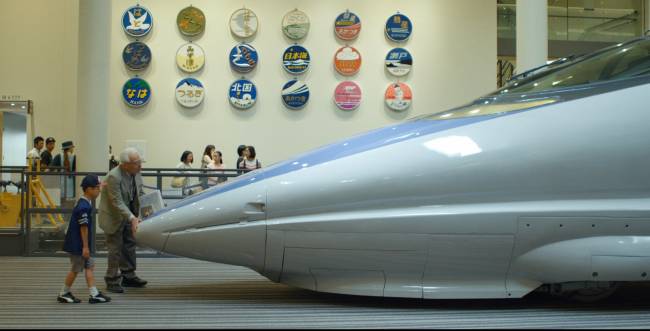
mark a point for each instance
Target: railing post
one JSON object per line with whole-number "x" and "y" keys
{"x": 158, "y": 181}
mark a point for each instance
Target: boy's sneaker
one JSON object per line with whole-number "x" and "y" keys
{"x": 99, "y": 298}
{"x": 67, "y": 298}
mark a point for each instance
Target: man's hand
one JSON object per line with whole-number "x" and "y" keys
{"x": 85, "y": 253}
{"x": 134, "y": 225}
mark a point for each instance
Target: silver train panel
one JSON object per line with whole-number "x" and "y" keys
{"x": 490, "y": 208}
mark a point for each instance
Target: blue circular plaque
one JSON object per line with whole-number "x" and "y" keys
{"x": 399, "y": 61}
{"x": 243, "y": 58}
{"x": 243, "y": 94}
{"x": 136, "y": 55}
{"x": 398, "y": 27}
{"x": 295, "y": 94}
{"x": 136, "y": 92}
{"x": 296, "y": 59}
{"x": 137, "y": 21}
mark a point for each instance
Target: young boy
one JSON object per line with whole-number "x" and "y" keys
{"x": 77, "y": 244}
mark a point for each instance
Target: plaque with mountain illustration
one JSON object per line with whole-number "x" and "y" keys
{"x": 189, "y": 92}
{"x": 191, "y": 21}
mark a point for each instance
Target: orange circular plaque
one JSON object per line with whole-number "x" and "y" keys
{"x": 347, "y": 60}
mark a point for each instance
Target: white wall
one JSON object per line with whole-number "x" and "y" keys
{"x": 38, "y": 60}
{"x": 13, "y": 141}
{"x": 453, "y": 46}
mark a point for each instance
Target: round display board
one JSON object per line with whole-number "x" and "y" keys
{"x": 399, "y": 62}
{"x": 398, "y": 28}
{"x": 347, "y": 60}
{"x": 191, "y": 21}
{"x": 136, "y": 55}
{"x": 136, "y": 92}
{"x": 398, "y": 96}
{"x": 347, "y": 26}
{"x": 295, "y": 24}
{"x": 190, "y": 57}
{"x": 137, "y": 21}
{"x": 295, "y": 94}
{"x": 243, "y": 58}
{"x": 243, "y": 94}
{"x": 347, "y": 95}
{"x": 243, "y": 23}
{"x": 189, "y": 92}
{"x": 296, "y": 59}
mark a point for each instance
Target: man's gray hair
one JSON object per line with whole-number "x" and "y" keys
{"x": 125, "y": 156}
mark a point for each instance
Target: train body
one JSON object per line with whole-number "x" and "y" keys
{"x": 544, "y": 182}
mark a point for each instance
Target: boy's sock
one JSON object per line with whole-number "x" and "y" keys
{"x": 93, "y": 291}
{"x": 64, "y": 290}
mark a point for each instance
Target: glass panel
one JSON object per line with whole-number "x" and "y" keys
{"x": 47, "y": 233}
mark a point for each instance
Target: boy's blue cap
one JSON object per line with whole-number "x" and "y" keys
{"x": 90, "y": 181}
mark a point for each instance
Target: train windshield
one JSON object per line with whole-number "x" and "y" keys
{"x": 621, "y": 61}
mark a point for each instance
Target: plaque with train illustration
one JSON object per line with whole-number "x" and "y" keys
{"x": 398, "y": 62}
{"x": 398, "y": 28}
{"x": 137, "y": 21}
{"x": 295, "y": 24}
{"x": 295, "y": 94}
{"x": 189, "y": 92}
{"x": 347, "y": 25}
{"x": 243, "y": 23}
{"x": 136, "y": 92}
{"x": 136, "y": 55}
{"x": 190, "y": 57}
{"x": 243, "y": 94}
{"x": 347, "y": 95}
{"x": 398, "y": 96}
{"x": 191, "y": 21}
{"x": 296, "y": 59}
{"x": 243, "y": 58}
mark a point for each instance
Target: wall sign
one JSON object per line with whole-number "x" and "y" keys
{"x": 243, "y": 58}
{"x": 189, "y": 92}
{"x": 296, "y": 59}
{"x": 347, "y": 25}
{"x": 243, "y": 23}
{"x": 398, "y": 28}
{"x": 347, "y": 60}
{"x": 399, "y": 62}
{"x": 136, "y": 92}
{"x": 136, "y": 55}
{"x": 347, "y": 95}
{"x": 243, "y": 94}
{"x": 295, "y": 24}
{"x": 190, "y": 57}
{"x": 191, "y": 21}
{"x": 137, "y": 21}
{"x": 398, "y": 96}
{"x": 295, "y": 94}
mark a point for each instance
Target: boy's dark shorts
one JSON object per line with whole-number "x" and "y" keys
{"x": 79, "y": 263}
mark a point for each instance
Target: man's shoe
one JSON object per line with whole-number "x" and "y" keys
{"x": 133, "y": 282}
{"x": 115, "y": 288}
{"x": 99, "y": 298}
{"x": 67, "y": 298}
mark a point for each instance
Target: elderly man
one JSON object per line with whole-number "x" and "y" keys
{"x": 118, "y": 217}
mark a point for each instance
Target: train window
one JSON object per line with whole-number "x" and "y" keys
{"x": 621, "y": 61}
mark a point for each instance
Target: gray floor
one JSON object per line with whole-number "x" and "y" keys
{"x": 185, "y": 293}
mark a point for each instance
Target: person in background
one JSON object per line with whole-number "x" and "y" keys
{"x": 69, "y": 163}
{"x": 78, "y": 241}
{"x": 250, "y": 161}
{"x": 216, "y": 164}
{"x": 187, "y": 158}
{"x": 240, "y": 156}
{"x": 205, "y": 160}
{"x": 46, "y": 155}
{"x": 35, "y": 153}
{"x": 112, "y": 162}
{"x": 119, "y": 210}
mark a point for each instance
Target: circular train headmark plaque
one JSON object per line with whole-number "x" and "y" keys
{"x": 243, "y": 23}
{"x": 296, "y": 59}
{"x": 136, "y": 92}
{"x": 243, "y": 58}
{"x": 137, "y": 21}
{"x": 190, "y": 57}
{"x": 398, "y": 62}
{"x": 295, "y": 94}
{"x": 398, "y": 96}
{"x": 243, "y": 94}
{"x": 347, "y": 60}
{"x": 191, "y": 21}
{"x": 295, "y": 24}
{"x": 347, "y": 25}
{"x": 189, "y": 92}
{"x": 347, "y": 95}
{"x": 136, "y": 55}
{"x": 398, "y": 27}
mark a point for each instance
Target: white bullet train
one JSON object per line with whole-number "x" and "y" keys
{"x": 543, "y": 184}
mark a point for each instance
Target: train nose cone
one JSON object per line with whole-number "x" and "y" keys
{"x": 219, "y": 225}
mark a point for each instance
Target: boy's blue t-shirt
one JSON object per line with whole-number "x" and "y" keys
{"x": 81, "y": 215}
